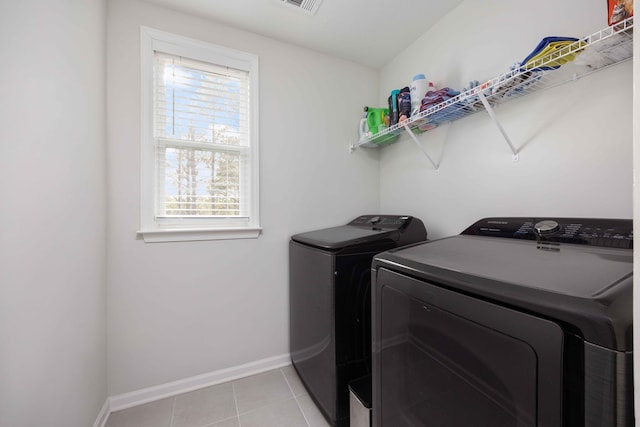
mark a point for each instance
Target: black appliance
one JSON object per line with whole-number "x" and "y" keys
{"x": 330, "y": 303}
{"x": 516, "y": 322}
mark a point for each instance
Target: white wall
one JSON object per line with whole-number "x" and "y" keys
{"x": 53, "y": 216}
{"x": 574, "y": 141}
{"x": 182, "y": 309}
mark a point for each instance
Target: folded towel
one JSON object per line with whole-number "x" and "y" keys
{"x": 549, "y": 51}
{"x": 432, "y": 97}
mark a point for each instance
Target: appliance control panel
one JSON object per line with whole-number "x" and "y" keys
{"x": 613, "y": 233}
{"x": 381, "y": 221}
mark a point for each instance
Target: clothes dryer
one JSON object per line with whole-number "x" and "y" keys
{"x": 516, "y": 322}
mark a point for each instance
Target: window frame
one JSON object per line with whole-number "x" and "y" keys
{"x": 188, "y": 229}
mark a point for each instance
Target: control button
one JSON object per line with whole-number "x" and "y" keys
{"x": 546, "y": 227}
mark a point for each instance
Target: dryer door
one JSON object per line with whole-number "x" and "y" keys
{"x": 444, "y": 359}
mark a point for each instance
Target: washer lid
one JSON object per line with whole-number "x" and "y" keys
{"x": 344, "y": 236}
{"x": 367, "y": 230}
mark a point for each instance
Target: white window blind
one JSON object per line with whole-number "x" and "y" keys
{"x": 202, "y": 138}
{"x": 203, "y": 157}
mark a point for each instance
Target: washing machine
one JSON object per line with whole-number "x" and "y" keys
{"x": 330, "y": 303}
{"x": 515, "y": 322}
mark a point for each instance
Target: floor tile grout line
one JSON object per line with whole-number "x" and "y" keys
{"x": 287, "y": 381}
{"x": 306, "y": 420}
{"x": 219, "y": 421}
{"x": 173, "y": 410}
{"x": 278, "y": 402}
{"x": 235, "y": 401}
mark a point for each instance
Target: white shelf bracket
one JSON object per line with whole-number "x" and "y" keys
{"x": 424, "y": 151}
{"x": 492, "y": 114}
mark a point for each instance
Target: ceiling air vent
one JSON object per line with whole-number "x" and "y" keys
{"x": 307, "y": 6}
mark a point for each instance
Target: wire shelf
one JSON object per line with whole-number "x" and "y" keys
{"x": 607, "y": 47}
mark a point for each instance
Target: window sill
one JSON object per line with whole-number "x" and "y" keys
{"x": 188, "y": 235}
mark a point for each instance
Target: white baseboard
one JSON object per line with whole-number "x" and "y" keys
{"x": 150, "y": 394}
{"x": 103, "y": 415}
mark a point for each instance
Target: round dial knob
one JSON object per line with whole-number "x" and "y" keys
{"x": 546, "y": 227}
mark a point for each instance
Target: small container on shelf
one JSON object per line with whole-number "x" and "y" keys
{"x": 393, "y": 107}
{"x": 418, "y": 89}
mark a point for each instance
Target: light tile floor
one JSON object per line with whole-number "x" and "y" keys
{"x": 272, "y": 399}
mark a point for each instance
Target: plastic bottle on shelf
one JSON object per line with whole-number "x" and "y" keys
{"x": 418, "y": 90}
{"x": 393, "y": 107}
{"x": 404, "y": 105}
{"x": 363, "y": 130}
{"x": 376, "y": 119}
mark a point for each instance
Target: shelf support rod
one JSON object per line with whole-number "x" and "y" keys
{"x": 424, "y": 151}
{"x": 492, "y": 114}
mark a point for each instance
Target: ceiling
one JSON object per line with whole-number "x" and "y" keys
{"x": 369, "y": 32}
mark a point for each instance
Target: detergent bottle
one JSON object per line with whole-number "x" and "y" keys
{"x": 393, "y": 107}
{"x": 376, "y": 119}
{"x": 404, "y": 104}
{"x": 363, "y": 130}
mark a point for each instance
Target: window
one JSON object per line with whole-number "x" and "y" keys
{"x": 199, "y": 140}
